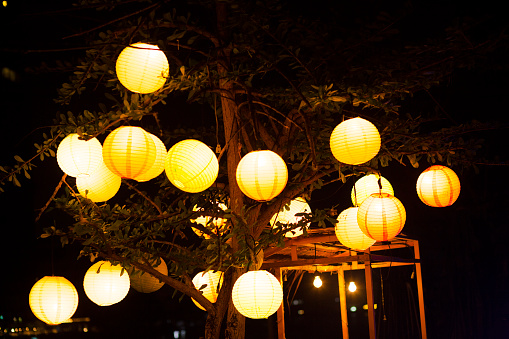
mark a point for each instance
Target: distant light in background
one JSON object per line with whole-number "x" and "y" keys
{"x": 353, "y": 309}
{"x": 9, "y": 74}
{"x": 300, "y": 312}
{"x": 317, "y": 282}
{"x": 352, "y": 287}
{"x": 4, "y": 3}
{"x": 365, "y": 307}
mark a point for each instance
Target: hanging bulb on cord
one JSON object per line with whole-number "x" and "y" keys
{"x": 318, "y": 281}
{"x": 352, "y": 287}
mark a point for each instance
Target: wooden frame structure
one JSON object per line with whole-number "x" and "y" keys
{"x": 321, "y": 251}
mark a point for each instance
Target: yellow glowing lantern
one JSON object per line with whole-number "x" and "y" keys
{"x": 145, "y": 282}
{"x": 381, "y": 216}
{"x": 191, "y": 166}
{"x": 355, "y": 141}
{"x": 142, "y": 68}
{"x": 209, "y": 283}
{"x": 257, "y": 294}
{"x": 262, "y": 175}
{"x": 438, "y": 186}
{"x": 106, "y": 284}
{"x": 368, "y": 185}
{"x": 53, "y": 299}
{"x": 219, "y": 224}
{"x": 349, "y": 233}
{"x": 100, "y": 186}
{"x": 158, "y": 166}
{"x": 129, "y": 151}
{"x": 79, "y": 157}
{"x": 288, "y": 215}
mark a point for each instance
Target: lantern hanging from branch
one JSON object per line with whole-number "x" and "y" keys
{"x": 145, "y": 282}
{"x": 158, "y": 166}
{"x": 381, "y": 216}
{"x": 349, "y": 233}
{"x": 77, "y": 157}
{"x": 209, "y": 283}
{"x": 191, "y": 166}
{"x": 262, "y": 175}
{"x": 53, "y": 299}
{"x": 100, "y": 186}
{"x": 142, "y": 68}
{"x": 355, "y": 141}
{"x": 257, "y": 294}
{"x": 288, "y": 215}
{"x": 106, "y": 284}
{"x": 129, "y": 151}
{"x": 438, "y": 186}
{"x": 218, "y": 224}
{"x": 368, "y": 185}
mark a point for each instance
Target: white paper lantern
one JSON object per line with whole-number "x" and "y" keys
{"x": 208, "y": 221}
{"x": 108, "y": 286}
{"x": 209, "y": 283}
{"x": 79, "y": 157}
{"x": 438, "y": 186}
{"x": 349, "y": 233}
{"x": 288, "y": 216}
{"x": 145, "y": 282}
{"x": 368, "y": 185}
{"x": 100, "y": 186}
{"x": 158, "y": 166}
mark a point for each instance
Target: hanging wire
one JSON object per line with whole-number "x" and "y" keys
{"x": 218, "y": 146}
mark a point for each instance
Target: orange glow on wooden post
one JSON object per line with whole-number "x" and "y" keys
{"x": 438, "y": 186}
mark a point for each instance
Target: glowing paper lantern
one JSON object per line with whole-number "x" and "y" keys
{"x": 262, "y": 175}
{"x": 129, "y": 152}
{"x": 108, "y": 286}
{"x": 355, "y": 141}
{"x": 349, "y": 233}
{"x": 191, "y": 166}
{"x": 209, "y": 283}
{"x": 78, "y": 157}
{"x": 257, "y": 294}
{"x": 100, "y": 186}
{"x": 145, "y": 282}
{"x": 368, "y": 185}
{"x": 381, "y": 216}
{"x": 208, "y": 221}
{"x": 142, "y": 68}
{"x": 158, "y": 166}
{"x": 288, "y": 216}
{"x": 53, "y": 300}
{"x": 438, "y": 186}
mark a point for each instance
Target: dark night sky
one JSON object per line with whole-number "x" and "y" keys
{"x": 463, "y": 247}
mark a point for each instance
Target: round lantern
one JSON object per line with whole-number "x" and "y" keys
{"x": 106, "y": 284}
{"x": 287, "y": 216}
{"x": 142, "y": 68}
{"x": 145, "y": 282}
{"x": 208, "y": 221}
{"x": 381, "y": 216}
{"x": 209, "y": 283}
{"x": 438, "y": 186}
{"x": 355, "y": 141}
{"x": 53, "y": 300}
{"x": 158, "y": 166}
{"x": 79, "y": 157}
{"x": 191, "y": 166}
{"x": 349, "y": 233}
{"x": 262, "y": 175}
{"x": 100, "y": 186}
{"x": 257, "y": 294}
{"x": 368, "y": 185}
{"x": 129, "y": 151}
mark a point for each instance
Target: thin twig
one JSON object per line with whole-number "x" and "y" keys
{"x": 57, "y": 188}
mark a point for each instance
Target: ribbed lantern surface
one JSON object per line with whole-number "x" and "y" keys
{"x": 145, "y": 282}
{"x": 368, "y": 185}
{"x": 129, "y": 151}
{"x": 381, "y": 216}
{"x": 355, "y": 141}
{"x": 191, "y": 166}
{"x": 108, "y": 286}
{"x": 438, "y": 186}
{"x": 349, "y": 233}
{"x": 78, "y": 157}
{"x": 262, "y": 175}
{"x": 158, "y": 166}
{"x": 216, "y": 223}
{"x": 287, "y": 215}
{"x": 142, "y": 68}
{"x": 257, "y": 294}
{"x": 211, "y": 283}
{"x": 100, "y": 186}
{"x": 53, "y": 299}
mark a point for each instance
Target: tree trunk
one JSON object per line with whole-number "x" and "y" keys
{"x": 236, "y": 323}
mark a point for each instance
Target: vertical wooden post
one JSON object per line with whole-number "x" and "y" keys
{"x": 369, "y": 293}
{"x": 342, "y": 301}
{"x": 419, "y": 289}
{"x": 280, "y": 311}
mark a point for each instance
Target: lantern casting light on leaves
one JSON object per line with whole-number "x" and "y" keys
{"x": 158, "y": 166}
{"x": 218, "y": 224}
{"x": 438, "y": 186}
{"x": 100, "y": 186}
{"x": 368, "y": 185}
{"x": 145, "y": 282}
{"x": 355, "y": 141}
{"x": 106, "y": 284}
{"x": 142, "y": 68}
{"x": 53, "y": 299}
{"x": 262, "y": 175}
{"x": 78, "y": 157}
{"x": 288, "y": 216}
{"x": 381, "y": 216}
{"x": 257, "y": 294}
{"x": 209, "y": 283}
{"x": 349, "y": 233}
{"x": 191, "y": 166}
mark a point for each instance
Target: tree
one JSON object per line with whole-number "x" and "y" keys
{"x": 266, "y": 77}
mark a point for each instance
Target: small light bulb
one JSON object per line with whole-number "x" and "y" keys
{"x": 317, "y": 282}
{"x": 352, "y": 287}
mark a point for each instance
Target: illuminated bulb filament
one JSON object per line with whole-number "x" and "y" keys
{"x": 317, "y": 282}
{"x": 352, "y": 287}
